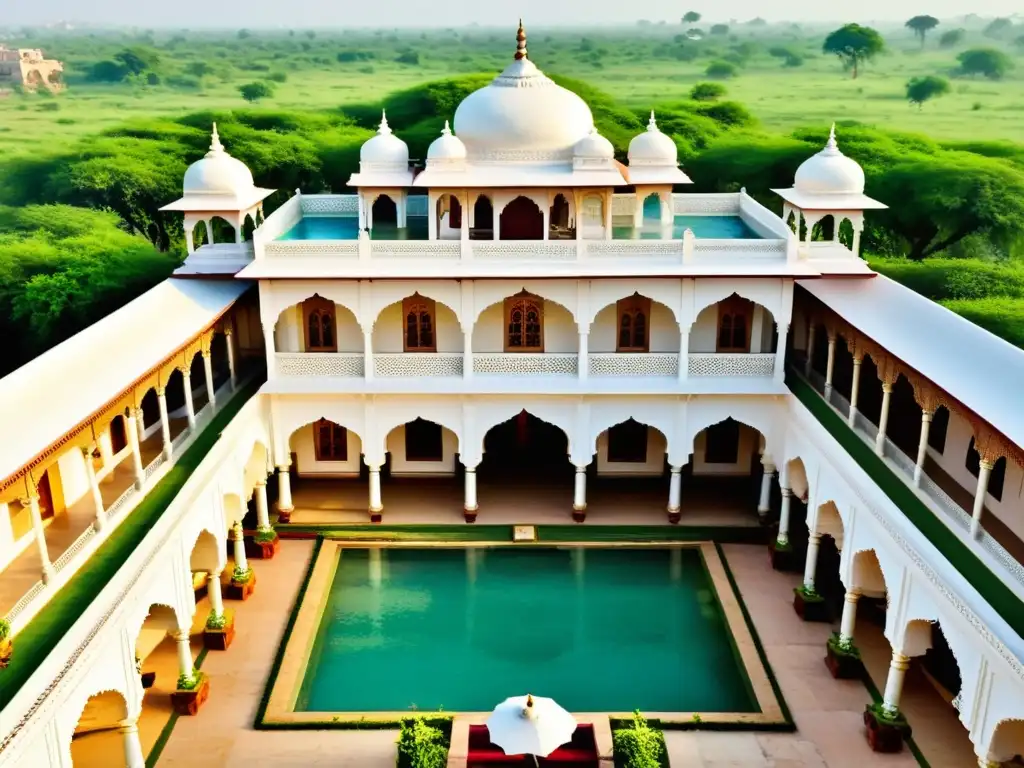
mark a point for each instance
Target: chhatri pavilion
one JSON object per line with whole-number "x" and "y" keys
{"x": 520, "y": 335}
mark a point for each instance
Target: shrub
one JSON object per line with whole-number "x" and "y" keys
{"x": 1001, "y": 316}
{"x": 421, "y": 745}
{"x": 639, "y": 746}
{"x": 409, "y": 57}
{"x": 721, "y": 70}
{"x": 278, "y": 77}
{"x": 707, "y": 91}
{"x": 5, "y": 629}
{"x": 256, "y": 91}
{"x": 989, "y": 62}
{"x": 49, "y": 106}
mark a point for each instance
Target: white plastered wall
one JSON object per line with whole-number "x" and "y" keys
{"x": 655, "y": 464}
{"x": 402, "y": 466}
{"x": 305, "y": 456}
{"x": 289, "y": 336}
{"x": 664, "y": 331}
{"x": 747, "y": 449}
{"x": 389, "y": 330}
{"x": 560, "y": 333}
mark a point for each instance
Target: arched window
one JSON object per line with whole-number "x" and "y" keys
{"x": 997, "y": 477}
{"x": 634, "y": 316}
{"x": 319, "y": 325}
{"x": 627, "y": 442}
{"x": 524, "y": 323}
{"x": 734, "y": 316}
{"x": 419, "y": 324}
{"x": 722, "y": 443}
{"x": 330, "y": 441}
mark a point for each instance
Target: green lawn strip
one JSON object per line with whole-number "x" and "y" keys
{"x": 165, "y": 733}
{"x": 35, "y": 642}
{"x": 989, "y": 586}
{"x": 876, "y": 697}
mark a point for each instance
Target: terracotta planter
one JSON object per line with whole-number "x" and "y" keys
{"x": 809, "y": 609}
{"x": 470, "y": 517}
{"x": 236, "y": 591}
{"x": 189, "y": 702}
{"x": 675, "y": 517}
{"x": 6, "y": 651}
{"x": 784, "y": 560}
{"x": 579, "y": 515}
{"x": 882, "y": 736}
{"x": 220, "y": 639}
{"x": 262, "y": 550}
{"x": 284, "y": 515}
{"x": 376, "y": 517}
{"x": 148, "y": 678}
{"x": 843, "y": 666}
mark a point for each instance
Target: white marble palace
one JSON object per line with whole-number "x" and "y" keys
{"x": 517, "y": 328}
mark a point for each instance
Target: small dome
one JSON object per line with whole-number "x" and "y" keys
{"x": 217, "y": 173}
{"x": 522, "y": 114}
{"x": 447, "y": 147}
{"x": 652, "y": 147}
{"x": 830, "y": 172}
{"x": 385, "y": 148}
{"x": 594, "y": 146}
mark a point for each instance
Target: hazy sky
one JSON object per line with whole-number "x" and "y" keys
{"x": 321, "y": 13}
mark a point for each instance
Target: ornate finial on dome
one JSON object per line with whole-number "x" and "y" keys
{"x": 384, "y": 129}
{"x": 831, "y": 144}
{"x": 447, "y": 130}
{"x": 651, "y": 124}
{"x": 215, "y": 146}
{"x": 521, "y": 42}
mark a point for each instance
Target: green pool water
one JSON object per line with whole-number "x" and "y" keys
{"x": 597, "y": 630}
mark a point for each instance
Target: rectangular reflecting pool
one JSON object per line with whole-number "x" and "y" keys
{"x": 597, "y": 629}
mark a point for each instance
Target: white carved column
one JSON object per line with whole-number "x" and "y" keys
{"x": 165, "y": 423}
{"x": 849, "y": 619}
{"x": 858, "y": 360}
{"x": 830, "y": 365}
{"x": 376, "y": 505}
{"x": 787, "y": 497}
{"x": 184, "y": 648}
{"x": 229, "y": 337}
{"x": 883, "y": 420}
{"x": 208, "y": 373}
{"x": 579, "y": 495}
{"x": 32, "y": 502}
{"x": 467, "y": 354}
{"x": 922, "y": 444}
{"x": 780, "y": 353}
{"x": 268, "y": 344}
{"x": 764, "y": 500}
{"x": 190, "y": 409}
{"x": 984, "y": 473}
{"x": 133, "y": 756}
{"x": 470, "y": 506}
{"x": 262, "y": 513}
{"x": 811, "y": 563}
{"x": 811, "y": 332}
{"x": 284, "y": 492}
{"x": 132, "y": 432}
{"x": 140, "y": 424}
{"x": 238, "y": 547}
{"x": 94, "y": 489}
{"x": 214, "y": 591}
{"x": 675, "y": 493}
{"x": 684, "y": 351}
{"x": 894, "y": 682}
{"x": 583, "y": 366}
{"x": 368, "y": 353}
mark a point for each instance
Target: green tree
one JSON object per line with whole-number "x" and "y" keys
{"x": 922, "y": 25}
{"x": 990, "y": 62}
{"x": 854, "y": 44}
{"x": 921, "y": 89}
{"x": 199, "y": 68}
{"x": 952, "y": 38}
{"x": 138, "y": 60}
{"x": 244, "y": 34}
{"x": 998, "y": 28}
{"x": 721, "y": 70}
{"x": 255, "y": 91}
{"x": 691, "y": 17}
{"x": 719, "y": 29}
{"x": 107, "y": 72}
{"x": 707, "y": 91}
{"x": 1019, "y": 43}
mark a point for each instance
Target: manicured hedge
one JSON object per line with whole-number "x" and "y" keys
{"x": 992, "y": 589}
{"x": 35, "y": 642}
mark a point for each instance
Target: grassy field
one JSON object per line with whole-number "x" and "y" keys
{"x": 638, "y": 67}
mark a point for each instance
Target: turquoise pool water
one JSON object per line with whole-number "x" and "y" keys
{"x": 347, "y": 228}
{"x": 597, "y": 630}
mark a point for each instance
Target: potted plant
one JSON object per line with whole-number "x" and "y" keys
{"x": 243, "y": 582}
{"x": 219, "y": 631}
{"x": 265, "y": 543}
{"x": 809, "y": 605}
{"x": 6, "y": 644}
{"x": 843, "y": 658}
{"x": 886, "y": 730}
{"x": 191, "y": 693}
{"x": 783, "y": 558}
{"x": 148, "y": 678}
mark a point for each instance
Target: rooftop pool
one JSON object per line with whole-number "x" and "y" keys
{"x": 347, "y": 228}
{"x": 597, "y": 629}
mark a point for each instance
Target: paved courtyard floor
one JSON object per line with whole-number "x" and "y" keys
{"x": 827, "y": 712}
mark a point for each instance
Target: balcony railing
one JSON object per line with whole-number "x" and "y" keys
{"x": 451, "y": 364}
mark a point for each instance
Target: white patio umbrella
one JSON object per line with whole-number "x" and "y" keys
{"x": 530, "y": 725}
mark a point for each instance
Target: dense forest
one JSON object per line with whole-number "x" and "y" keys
{"x": 80, "y": 230}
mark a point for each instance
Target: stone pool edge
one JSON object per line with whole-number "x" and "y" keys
{"x": 277, "y": 711}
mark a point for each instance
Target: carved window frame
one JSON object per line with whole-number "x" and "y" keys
{"x": 425, "y": 311}
{"x": 525, "y": 303}
{"x": 626, "y": 312}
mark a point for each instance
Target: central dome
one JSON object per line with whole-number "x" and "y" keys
{"x": 522, "y": 114}
{"x": 830, "y": 172}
